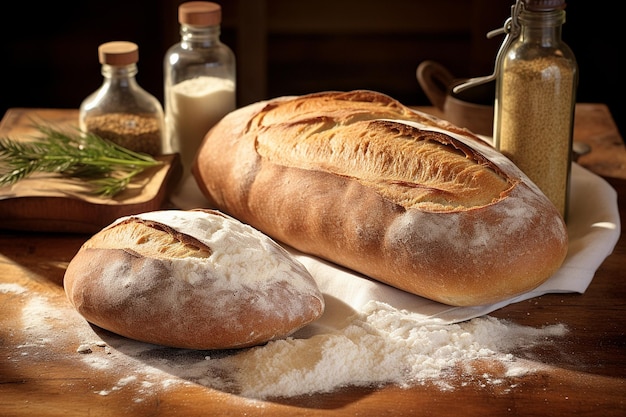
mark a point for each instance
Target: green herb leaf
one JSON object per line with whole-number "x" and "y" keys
{"x": 108, "y": 167}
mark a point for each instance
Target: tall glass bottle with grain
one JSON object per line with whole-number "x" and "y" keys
{"x": 121, "y": 110}
{"x": 536, "y": 96}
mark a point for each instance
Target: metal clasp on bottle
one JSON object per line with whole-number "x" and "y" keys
{"x": 511, "y": 28}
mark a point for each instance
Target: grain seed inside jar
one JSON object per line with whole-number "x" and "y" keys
{"x": 139, "y": 133}
{"x": 536, "y": 123}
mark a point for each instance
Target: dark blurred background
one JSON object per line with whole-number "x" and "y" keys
{"x": 287, "y": 47}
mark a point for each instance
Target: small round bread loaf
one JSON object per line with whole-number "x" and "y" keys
{"x": 195, "y": 279}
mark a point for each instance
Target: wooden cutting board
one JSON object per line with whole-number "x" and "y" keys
{"x": 49, "y": 203}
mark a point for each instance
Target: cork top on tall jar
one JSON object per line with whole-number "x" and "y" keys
{"x": 544, "y": 5}
{"x": 200, "y": 13}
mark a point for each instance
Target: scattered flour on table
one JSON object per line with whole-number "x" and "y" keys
{"x": 380, "y": 345}
{"x": 10, "y": 288}
{"x": 377, "y": 346}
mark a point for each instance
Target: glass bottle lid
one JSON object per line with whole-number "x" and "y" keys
{"x": 118, "y": 53}
{"x": 200, "y": 13}
{"x": 544, "y": 5}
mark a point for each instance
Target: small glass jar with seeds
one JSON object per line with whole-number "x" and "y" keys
{"x": 537, "y": 77}
{"x": 121, "y": 110}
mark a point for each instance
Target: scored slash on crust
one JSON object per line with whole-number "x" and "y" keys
{"x": 141, "y": 239}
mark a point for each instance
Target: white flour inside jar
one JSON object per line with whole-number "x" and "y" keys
{"x": 196, "y": 105}
{"x": 378, "y": 346}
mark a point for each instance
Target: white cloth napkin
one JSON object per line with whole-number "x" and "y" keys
{"x": 593, "y": 226}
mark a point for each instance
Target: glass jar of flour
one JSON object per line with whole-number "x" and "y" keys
{"x": 199, "y": 76}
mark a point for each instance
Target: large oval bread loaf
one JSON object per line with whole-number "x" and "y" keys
{"x": 405, "y": 198}
{"x": 191, "y": 279}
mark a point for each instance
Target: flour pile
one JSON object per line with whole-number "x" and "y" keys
{"x": 379, "y": 345}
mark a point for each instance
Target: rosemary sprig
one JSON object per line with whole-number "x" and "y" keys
{"x": 107, "y": 166}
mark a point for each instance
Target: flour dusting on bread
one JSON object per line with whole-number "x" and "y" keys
{"x": 196, "y": 279}
{"x": 405, "y": 198}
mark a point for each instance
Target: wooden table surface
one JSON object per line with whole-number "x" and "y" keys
{"x": 584, "y": 373}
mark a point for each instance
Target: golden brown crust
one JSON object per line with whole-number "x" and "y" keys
{"x": 405, "y": 198}
{"x": 150, "y": 280}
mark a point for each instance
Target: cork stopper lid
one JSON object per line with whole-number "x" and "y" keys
{"x": 200, "y": 13}
{"x": 544, "y": 5}
{"x": 118, "y": 53}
